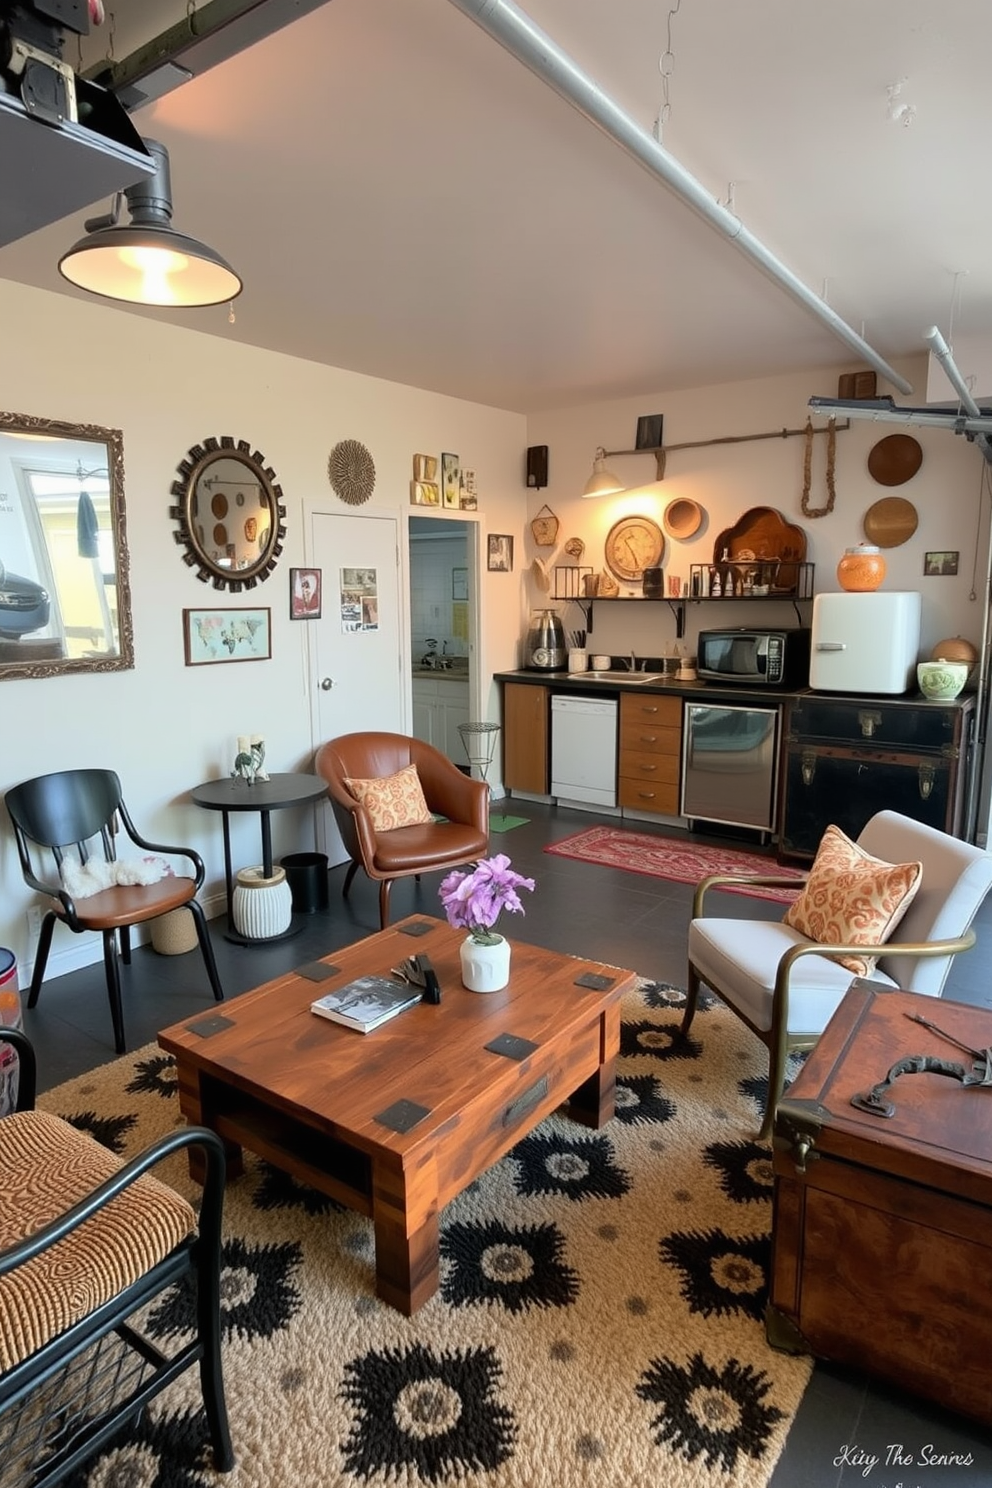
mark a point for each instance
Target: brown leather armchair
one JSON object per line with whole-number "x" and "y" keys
{"x": 404, "y": 852}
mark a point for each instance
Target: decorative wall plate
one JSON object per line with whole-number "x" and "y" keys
{"x": 890, "y": 522}
{"x": 682, "y": 518}
{"x": 632, "y": 545}
{"x": 351, "y": 472}
{"x": 895, "y": 459}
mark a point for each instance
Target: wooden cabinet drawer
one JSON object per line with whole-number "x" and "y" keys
{"x": 654, "y": 768}
{"x": 649, "y": 738}
{"x": 650, "y": 708}
{"x": 645, "y": 795}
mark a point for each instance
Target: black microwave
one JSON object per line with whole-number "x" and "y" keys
{"x": 758, "y": 658}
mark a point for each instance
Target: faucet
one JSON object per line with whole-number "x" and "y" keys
{"x": 632, "y": 663}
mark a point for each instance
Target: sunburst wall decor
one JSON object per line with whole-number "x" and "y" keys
{"x": 351, "y": 472}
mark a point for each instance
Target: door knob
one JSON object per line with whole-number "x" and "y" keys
{"x": 326, "y": 684}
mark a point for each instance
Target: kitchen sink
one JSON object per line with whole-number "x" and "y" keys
{"x": 617, "y": 677}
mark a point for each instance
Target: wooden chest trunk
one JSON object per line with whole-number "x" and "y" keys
{"x": 882, "y": 1227}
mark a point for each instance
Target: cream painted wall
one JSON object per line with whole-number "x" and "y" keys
{"x": 162, "y": 726}
{"x": 727, "y": 480}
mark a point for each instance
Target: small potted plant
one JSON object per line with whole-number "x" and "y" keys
{"x": 474, "y": 901}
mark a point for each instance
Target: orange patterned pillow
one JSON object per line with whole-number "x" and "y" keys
{"x": 395, "y": 801}
{"x": 851, "y": 898}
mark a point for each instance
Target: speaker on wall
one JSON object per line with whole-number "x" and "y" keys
{"x": 537, "y": 465}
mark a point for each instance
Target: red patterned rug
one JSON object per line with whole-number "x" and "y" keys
{"x": 664, "y": 857}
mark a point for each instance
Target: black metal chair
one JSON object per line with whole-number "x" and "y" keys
{"x": 81, "y": 809}
{"x": 84, "y": 1244}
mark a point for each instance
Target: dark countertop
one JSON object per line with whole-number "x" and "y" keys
{"x": 758, "y": 696}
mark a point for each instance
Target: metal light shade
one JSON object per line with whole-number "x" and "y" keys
{"x": 147, "y": 262}
{"x": 602, "y": 482}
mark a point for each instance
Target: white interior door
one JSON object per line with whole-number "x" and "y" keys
{"x": 360, "y": 663}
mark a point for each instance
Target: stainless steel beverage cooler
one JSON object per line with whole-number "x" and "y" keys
{"x": 728, "y": 766}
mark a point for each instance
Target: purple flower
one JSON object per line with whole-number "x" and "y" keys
{"x": 474, "y": 901}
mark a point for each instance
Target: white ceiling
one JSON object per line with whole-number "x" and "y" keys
{"x": 403, "y": 198}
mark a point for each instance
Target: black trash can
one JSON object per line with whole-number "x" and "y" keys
{"x": 306, "y": 874}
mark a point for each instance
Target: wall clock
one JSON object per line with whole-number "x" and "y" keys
{"x": 632, "y": 545}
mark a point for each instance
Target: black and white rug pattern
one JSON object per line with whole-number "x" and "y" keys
{"x": 599, "y": 1318}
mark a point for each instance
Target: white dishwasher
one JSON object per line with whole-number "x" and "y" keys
{"x": 584, "y": 750}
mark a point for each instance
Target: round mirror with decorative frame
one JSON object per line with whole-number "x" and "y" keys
{"x": 230, "y": 513}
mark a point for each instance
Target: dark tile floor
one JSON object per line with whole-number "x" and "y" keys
{"x": 845, "y": 1420}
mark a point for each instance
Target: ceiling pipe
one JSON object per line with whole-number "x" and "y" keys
{"x": 945, "y": 357}
{"x": 514, "y": 30}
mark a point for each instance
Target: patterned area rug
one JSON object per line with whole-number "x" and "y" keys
{"x": 599, "y": 1320}
{"x": 664, "y": 857}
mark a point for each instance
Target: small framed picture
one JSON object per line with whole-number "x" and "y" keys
{"x": 425, "y": 467}
{"x": 649, "y": 431}
{"x": 304, "y": 594}
{"x": 211, "y": 636}
{"x": 937, "y": 564}
{"x": 468, "y": 494}
{"x": 425, "y": 493}
{"x": 459, "y": 583}
{"x": 500, "y": 552}
{"x": 450, "y": 482}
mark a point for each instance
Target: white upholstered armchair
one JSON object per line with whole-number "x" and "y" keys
{"x": 785, "y": 986}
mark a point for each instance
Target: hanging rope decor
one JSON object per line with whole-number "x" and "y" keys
{"x": 819, "y": 511}
{"x": 351, "y": 472}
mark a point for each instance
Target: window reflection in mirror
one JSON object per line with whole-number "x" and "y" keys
{"x": 64, "y": 596}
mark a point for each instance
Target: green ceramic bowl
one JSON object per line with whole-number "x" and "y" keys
{"x": 942, "y": 680}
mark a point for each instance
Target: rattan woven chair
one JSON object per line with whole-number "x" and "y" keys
{"x": 84, "y": 1244}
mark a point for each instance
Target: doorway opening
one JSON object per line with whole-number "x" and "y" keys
{"x": 444, "y": 627}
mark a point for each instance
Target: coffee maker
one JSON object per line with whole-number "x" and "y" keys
{"x": 545, "y": 648}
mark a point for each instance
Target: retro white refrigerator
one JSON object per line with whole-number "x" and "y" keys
{"x": 865, "y": 642}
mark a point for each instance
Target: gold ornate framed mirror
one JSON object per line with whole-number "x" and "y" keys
{"x": 65, "y": 598}
{"x": 230, "y": 514}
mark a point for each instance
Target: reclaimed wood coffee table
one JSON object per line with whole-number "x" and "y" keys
{"x": 396, "y": 1122}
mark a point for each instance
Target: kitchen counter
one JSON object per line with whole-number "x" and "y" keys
{"x": 841, "y": 756}
{"x": 716, "y": 691}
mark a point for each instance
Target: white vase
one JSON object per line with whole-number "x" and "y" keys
{"x": 485, "y": 968}
{"x": 261, "y": 907}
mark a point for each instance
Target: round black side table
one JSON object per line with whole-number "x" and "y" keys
{"x": 264, "y": 796}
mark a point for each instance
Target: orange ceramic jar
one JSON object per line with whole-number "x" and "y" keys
{"x": 861, "y": 569}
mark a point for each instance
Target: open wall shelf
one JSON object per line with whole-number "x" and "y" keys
{"x": 785, "y": 580}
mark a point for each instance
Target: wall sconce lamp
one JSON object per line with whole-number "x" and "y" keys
{"x": 602, "y": 482}
{"x": 147, "y": 262}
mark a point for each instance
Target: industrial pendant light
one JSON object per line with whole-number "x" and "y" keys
{"x": 147, "y": 262}
{"x": 602, "y": 482}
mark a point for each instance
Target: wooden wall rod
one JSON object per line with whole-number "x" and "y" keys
{"x": 661, "y": 452}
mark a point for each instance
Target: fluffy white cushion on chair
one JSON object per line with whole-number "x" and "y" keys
{"x": 741, "y": 957}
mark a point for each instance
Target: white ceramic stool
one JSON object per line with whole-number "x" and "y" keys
{"x": 261, "y": 907}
